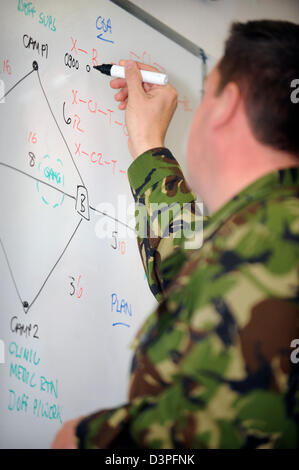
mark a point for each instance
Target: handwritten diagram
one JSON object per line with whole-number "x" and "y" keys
{"x": 53, "y": 179}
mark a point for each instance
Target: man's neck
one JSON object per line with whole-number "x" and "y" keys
{"x": 244, "y": 170}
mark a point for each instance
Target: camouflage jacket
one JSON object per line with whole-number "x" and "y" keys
{"x": 213, "y": 365}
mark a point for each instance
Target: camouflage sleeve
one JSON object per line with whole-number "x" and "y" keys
{"x": 168, "y": 219}
{"x": 212, "y": 366}
{"x": 209, "y": 379}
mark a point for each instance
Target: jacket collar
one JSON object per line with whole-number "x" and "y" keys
{"x": 286, "y": 180}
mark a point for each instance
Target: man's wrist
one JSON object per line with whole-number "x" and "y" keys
{"x": 145, "y": 147}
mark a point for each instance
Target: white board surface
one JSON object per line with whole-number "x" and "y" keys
{"x": 71, "y": 300}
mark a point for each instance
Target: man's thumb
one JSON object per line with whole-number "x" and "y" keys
{"x": 133, "y": 77}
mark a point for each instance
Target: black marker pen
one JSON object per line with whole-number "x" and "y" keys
{"x": 119, "y": 72}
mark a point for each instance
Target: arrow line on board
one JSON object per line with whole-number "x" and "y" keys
{"x": 11, "y": 273}
{"x": 47, "y": 278}
{"x": 70, "y": 153}
{"x": 23, "y": 78}
{"x": 25, "y": 305}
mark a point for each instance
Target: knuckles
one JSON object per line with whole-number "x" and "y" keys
{"x": 172, "y": 96}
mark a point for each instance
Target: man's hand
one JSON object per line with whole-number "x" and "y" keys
{"x": 149, "y": 108}
{"x": 66, "y": 436}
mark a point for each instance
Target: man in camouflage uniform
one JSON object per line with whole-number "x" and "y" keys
{"x": 212, "y": 365}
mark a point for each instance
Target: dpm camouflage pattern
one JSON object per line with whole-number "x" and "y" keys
{"x": 212, "y": 364}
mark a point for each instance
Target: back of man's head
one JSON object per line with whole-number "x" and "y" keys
{"x": 262, "y": 57}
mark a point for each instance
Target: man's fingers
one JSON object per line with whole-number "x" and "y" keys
{"x": 118, "y": 83}
{"x": 122, "y": 83}
{"x": 134, "y": 79}
{"x": 147, "y": 87}
{"x": 121, "y": 95}
{"x": 123, "y": 104}
{"x": 140, "y": 65}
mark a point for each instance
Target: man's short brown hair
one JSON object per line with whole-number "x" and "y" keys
{"x": 262, "y": 57}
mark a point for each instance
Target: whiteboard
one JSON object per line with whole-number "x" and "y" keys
{"x": 73, "y": 292}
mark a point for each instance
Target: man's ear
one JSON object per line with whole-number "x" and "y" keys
{"x": 226, "y": 105}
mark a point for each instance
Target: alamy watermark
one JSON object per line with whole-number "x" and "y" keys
{"x": 152, "y": 220}
{"x": 295, "y": 353}
{"x": 295, "y": 93}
